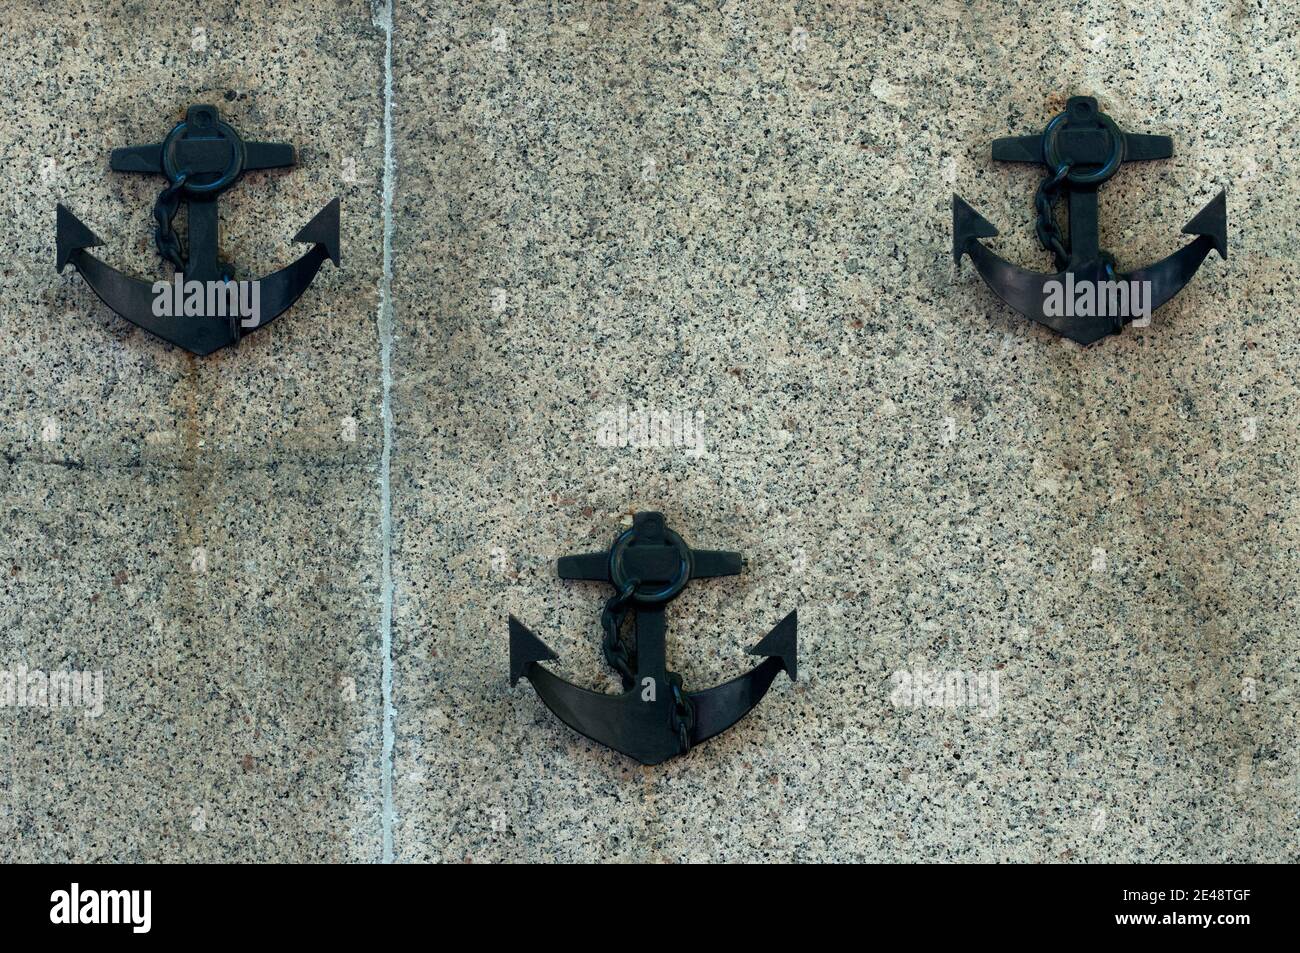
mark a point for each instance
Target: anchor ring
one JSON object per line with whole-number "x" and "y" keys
{"x": 618, "y": 572}
{"x": 1052, "y": 155}
{"x": 207, "y": 122}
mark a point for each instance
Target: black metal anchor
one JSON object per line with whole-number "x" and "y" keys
{"x": 1082, "y": 147}
{"x": 655, "y": 718}
{"x": 201, "y": 158}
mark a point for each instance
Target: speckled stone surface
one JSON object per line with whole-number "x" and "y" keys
{"x": 201, "y": 530}
{"x": 742, "y": 211}
{"x": 735, "y": 214}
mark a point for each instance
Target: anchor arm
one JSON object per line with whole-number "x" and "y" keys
{"x": 718, "y": 708}
{"x": 635, "y": 723}
{"x": 586, "y": 712}
{"x": 1025, "y": 290}
{"x": 1171, "y": 273}
{"x": 1020, "y": 288}
{"x": 282, "y": 288}
{"x": 130, "y": 297}
{"x": 133, "y": 299}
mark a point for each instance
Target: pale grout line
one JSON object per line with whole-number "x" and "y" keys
{"x": 384, "y": 20}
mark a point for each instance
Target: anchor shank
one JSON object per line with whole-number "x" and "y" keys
{"x": 1085, "y": 230}
{"x": 651, "y": 658}
{"x": 201, "y": 262}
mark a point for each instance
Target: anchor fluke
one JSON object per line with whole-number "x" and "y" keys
{"x": 71, "y": 234}
{"x": 323, "y": 230}
{"x": 967, "y": 224}
{"x": 525, "y": 649}
{"x": 1212, "y": 222}
{"x": 782, "y": 643}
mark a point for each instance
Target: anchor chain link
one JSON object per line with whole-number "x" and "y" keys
{"x": 612, "y": 618}
{"x": 164, "y": 210}
{"x": 683, "y": 717}
{"x": 1049, "y": 233}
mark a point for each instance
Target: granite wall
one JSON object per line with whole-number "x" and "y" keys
{"x": 291, "y": 562}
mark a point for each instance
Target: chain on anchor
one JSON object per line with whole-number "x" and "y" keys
{"x": 683, "y": 719}
{"x": 164, "y": 210}
{"x": 1049, "y": 233}
{"x": 612, "y": 618}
